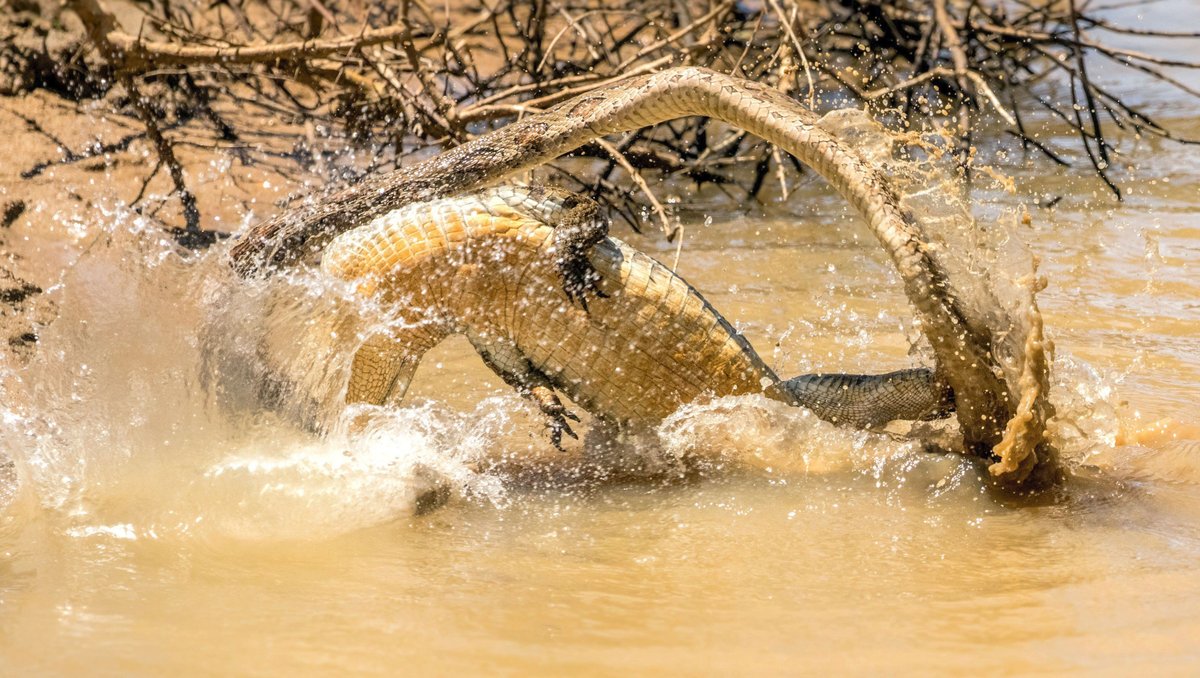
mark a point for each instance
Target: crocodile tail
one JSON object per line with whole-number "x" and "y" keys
{"x": 870, "y": 400}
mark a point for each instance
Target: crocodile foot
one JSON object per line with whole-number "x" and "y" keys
{"x": 556, "y": 415}
{"x": 503, "y": 358}
{"x": 579, "y": 278}
{"x": 580, "y": 227}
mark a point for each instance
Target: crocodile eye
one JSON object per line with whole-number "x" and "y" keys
{"x": 570, "y": 201}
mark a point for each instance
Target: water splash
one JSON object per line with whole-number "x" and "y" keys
{"x": 142, "y": 410}
{"x": 979, "y": 259}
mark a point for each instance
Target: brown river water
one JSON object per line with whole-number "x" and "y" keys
{"x": 154, "y": 528}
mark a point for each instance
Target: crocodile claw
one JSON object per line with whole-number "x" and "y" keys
{"x": 558, "y": 425}
{"x": 580, "y": 278}
{"x": 581, "y": 228}
{"x": 556, "y": 415}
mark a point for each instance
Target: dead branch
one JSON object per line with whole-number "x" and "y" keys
{"x": 134, "y": 54}
{"x": 100, "y": 24}
{"x": 392, "y": 78}
{"x": 637, "y": 179}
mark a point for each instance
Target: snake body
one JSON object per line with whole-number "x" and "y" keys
{"x": 486, "y": 265}
{"x": 986, "y": 389}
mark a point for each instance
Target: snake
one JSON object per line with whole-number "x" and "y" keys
{"x": 992, "y": 397}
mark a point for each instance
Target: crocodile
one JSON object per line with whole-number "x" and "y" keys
{"x": 513, "y": 268}
{"x": 994, "y": 360}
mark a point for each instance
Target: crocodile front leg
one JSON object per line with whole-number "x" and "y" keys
{"x": 502, "y": 357}
{"x": 579, "y": 225}
{"x": 579, "y": 228}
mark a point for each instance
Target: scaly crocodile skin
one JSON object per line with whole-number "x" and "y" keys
{"x": 987, "y": 389}
{"x": 484, "y": 265}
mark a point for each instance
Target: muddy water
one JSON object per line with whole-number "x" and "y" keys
{"x": 155, "y": 527}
